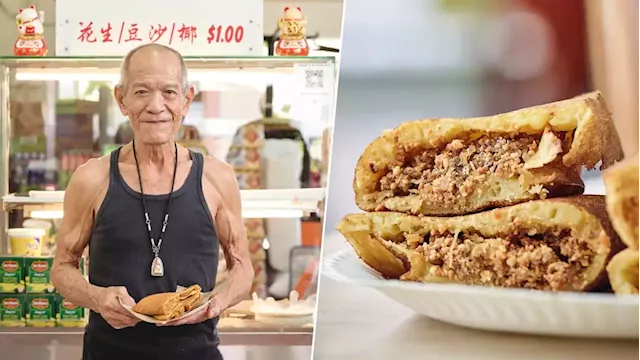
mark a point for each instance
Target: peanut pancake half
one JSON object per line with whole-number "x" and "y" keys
{"x": 445, "y": 167}
{"x": 560, "y": 244}
{"x": 621, "y": 185}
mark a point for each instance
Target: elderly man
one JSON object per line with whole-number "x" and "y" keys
{"x": 154, "y": 215}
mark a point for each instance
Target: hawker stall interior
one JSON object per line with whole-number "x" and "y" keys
{"x": 58, "y": 111}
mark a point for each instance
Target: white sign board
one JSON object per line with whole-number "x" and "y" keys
{"x": 192, "y": 27}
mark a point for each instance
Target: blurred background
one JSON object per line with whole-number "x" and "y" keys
{"x": 416, "y": 59}
{"x": 58, "y": 112}
{"x": 463, "y": 58}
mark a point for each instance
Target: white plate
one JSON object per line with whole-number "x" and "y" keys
{"x": 300, "y": 320}
{"x": 499, "y": 309}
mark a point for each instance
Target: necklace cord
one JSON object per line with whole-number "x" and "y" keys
{"x": 156, "y": 247}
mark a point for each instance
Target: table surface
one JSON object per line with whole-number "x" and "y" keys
{"x": 361, "y": 323}
{"x": 232, "y": 332}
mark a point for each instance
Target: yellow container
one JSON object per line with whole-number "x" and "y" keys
{"x": 40, "y": 224}
{"x": 26, "y": 242}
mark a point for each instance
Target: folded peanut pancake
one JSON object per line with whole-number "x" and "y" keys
{"x": 192, "y": 301}
{"x": 175, "y": 312}
{"x": 554, "y": 244}
{"x": 444, "y": 167}
{"x": 621, "y": 184}
{"x": 170, "y": 305}
{"x": 158, "y": 304}
{"x": 623, "y": 272}
{"x": 190, "y": 291}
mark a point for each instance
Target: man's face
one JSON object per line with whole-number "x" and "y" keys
{"x": 153, "y": 97}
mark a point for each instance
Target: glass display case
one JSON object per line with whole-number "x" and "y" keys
{"x": 56, "y": 113}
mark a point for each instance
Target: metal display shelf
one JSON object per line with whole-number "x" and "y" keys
{"x": 269, "y": 199}
{"x": 276, "y": 203}
{"x": 74, "y": 63}
{"x": 229, "y": 336}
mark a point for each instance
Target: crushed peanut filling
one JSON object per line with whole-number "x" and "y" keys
{"x": 549, "y": 261}
{"x": 457, "y": 170}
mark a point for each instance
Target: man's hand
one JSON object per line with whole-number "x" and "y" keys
{"x": 212, "y": 310}
{"x": 112, "y": 311}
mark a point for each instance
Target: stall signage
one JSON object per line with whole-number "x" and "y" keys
{"x": 193, "y": 27}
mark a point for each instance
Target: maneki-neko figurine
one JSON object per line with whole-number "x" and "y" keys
{"x": 30, "y": 33}
{"x": 293, "y": 41}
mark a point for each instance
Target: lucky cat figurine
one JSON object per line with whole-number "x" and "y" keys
{"x": 30, "y": 40}
{"x": 293, "y": 40}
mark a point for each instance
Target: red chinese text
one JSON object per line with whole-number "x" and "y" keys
{"x": 106, "y": 33}
{"x": 187, "y": 33}
{"x": 129, "y": 32}
{"x": 133, "y": 33}
{"x": 86, "y": 33}
{"x": 156, "y": 32}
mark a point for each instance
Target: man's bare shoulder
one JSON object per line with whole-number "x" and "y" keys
{"x": 220, "y": 174}
{"x": 92, "y": 175}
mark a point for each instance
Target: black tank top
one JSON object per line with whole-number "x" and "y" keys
{"x": 120, "y": 255}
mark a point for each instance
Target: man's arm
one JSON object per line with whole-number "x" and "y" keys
{"x": 87, "y": 186}
{"x": 225, "y": 193}
{"x": 83, "y": 191}
{"x": 233, "y": 238}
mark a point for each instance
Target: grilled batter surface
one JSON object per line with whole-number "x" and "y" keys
{"x": 447, "y": 167}
{"x": 623, "y": 272}
{"x": 557, "y": 244}
{"x": 621, "y": 183}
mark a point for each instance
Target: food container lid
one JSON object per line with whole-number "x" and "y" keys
{"x": 23, "y": 232}
{"x": 37, "y": 224}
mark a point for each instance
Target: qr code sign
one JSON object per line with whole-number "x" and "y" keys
{"x": 314, "y": 79}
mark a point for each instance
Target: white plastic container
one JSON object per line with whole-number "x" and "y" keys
{"x": 26, "y": 242}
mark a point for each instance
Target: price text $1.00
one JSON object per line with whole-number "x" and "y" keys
{"x": 225, "y": 34}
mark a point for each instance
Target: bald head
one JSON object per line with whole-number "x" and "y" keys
{"x": 154, "y": 93}
{"x": 148, "y": 52}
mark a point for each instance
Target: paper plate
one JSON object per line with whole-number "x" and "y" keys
{"x": 204, "y": 302}
{"x": 499, "y": 309}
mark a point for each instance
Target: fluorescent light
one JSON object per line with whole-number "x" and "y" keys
{"x": 271, "y": 214}
{"x": 229, "y": 76}
{"x": 248, "y": 214}
{"x": 46, "y": 214}
{"x": 291, "y": 195}
{"x": 269, "y": 203}
{"x": 280, "y": 205}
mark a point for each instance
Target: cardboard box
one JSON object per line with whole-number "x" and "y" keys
{"x": 38, "y": 275}
{"x": 12, "y": 310}
{"x": 41, "y": 310}
{"x": 68, "y": 314}
{"x": 12, "y": 274}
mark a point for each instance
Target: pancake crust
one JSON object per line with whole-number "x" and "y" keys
{"x": 623, "y": 272}
{"x": 157, "y": 304}
{"x": 621, "y": 184}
